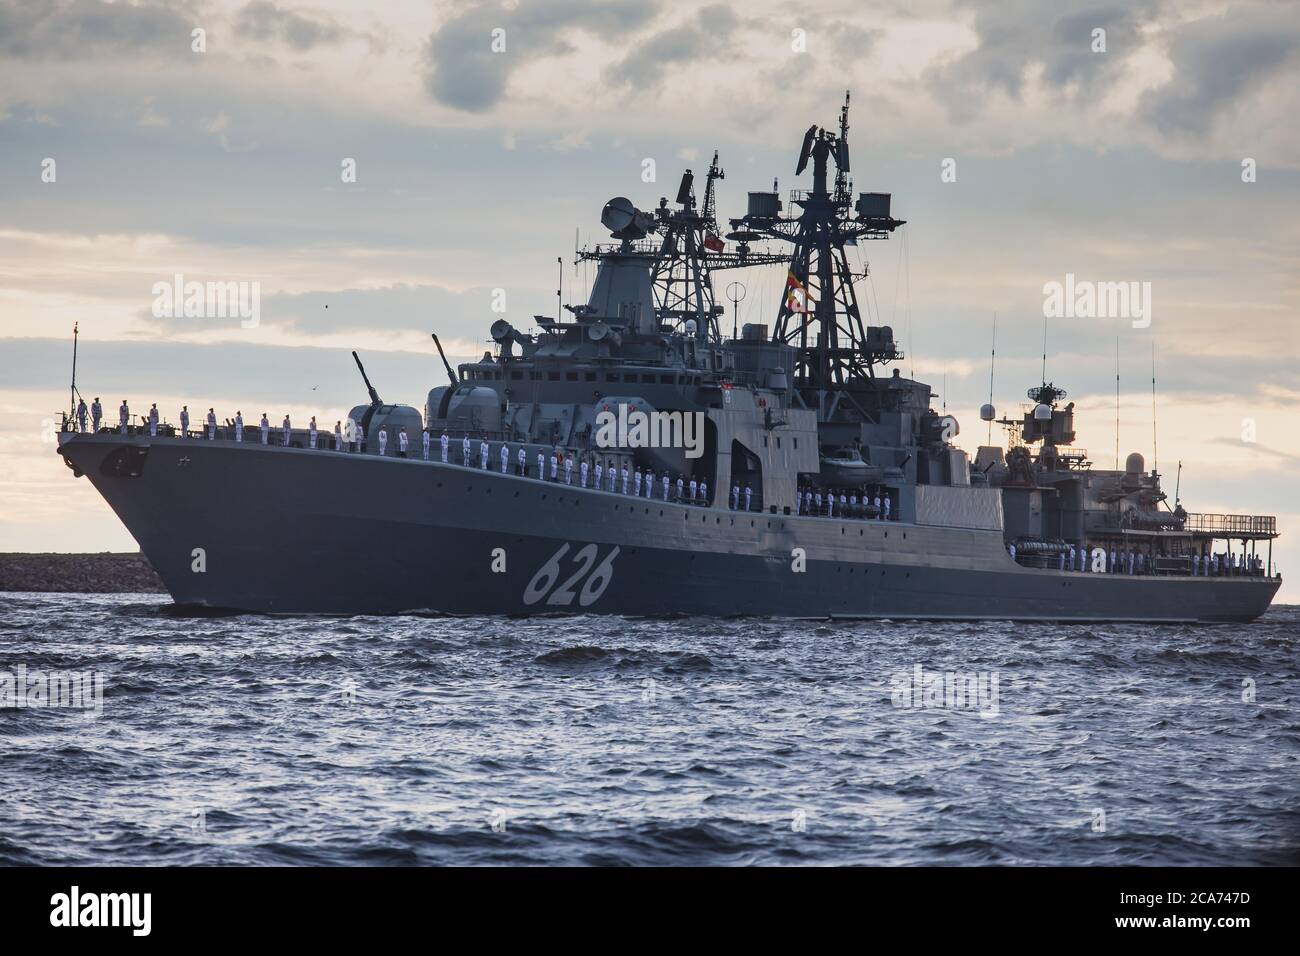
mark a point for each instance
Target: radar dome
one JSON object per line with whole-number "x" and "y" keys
{"x": 617, "y": 214}
{"x": 1042, "y": 413}
{"x": 987, "y": 413}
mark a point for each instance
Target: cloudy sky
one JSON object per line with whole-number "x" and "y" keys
{"x": 129, "y": 156}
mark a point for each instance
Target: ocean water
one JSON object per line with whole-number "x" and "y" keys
{"x": 597, "y": 740}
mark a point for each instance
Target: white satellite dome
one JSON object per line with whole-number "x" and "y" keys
{"x": 987, "y": 412}
{"x": 1042, "y": 413}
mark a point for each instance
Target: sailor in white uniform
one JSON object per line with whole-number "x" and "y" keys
{"x": 311, "y": 433}
{"x": 695, "y": 487}
{"x": 749, "y": 494}
{"x": 625, "y": 477}
{"x": 1011, "y": 550}
{"x": 844, "y": 503}
{"x": 568, "y": 470}
{"x": 338, "y": 433}
{"x": 681, "y": 485}
{"x": 153, "y": 420}
{"x": 266, "y": 428}
{"x": 212, "y": 425}
{"x": 505, "y": 458}
{"x": 464, "y": 452}
{"x": 425, "y": 439}
{"x": 887, "y": 507}
{"x": 735, "y": 496}
{"x": 383, "y": 440}
{"x": 649, "y": 483}
{"x": 523, "y": 461}
{"x": 96, "y": 413}
{"x": 611, "y": 475}
{"x": 483, "y": 450}
{"x": 185, "y": 421}
{"x": 599, "y": 473}
{"x": 704, "y": 492}
{"x": 665, "y": 484}
{"x": 555, "y": 464}
{"x": 1071, "y": 564}
{"x": 817, "y": 499}
{"x": 124, "y": 415}
{"x": 403, "y": 442}
{"x": 443, "y": 444}
{"x": 81, "y": 414}
{"x": 582, "y": 472}
{"x": 285, "y": 428}
{"x": 541, "y": 467}
{"x": 239, "y": 425}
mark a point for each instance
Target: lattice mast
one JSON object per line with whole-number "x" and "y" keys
{"x": 819, "y": 314}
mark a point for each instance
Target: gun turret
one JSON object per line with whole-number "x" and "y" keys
{"x": 374, "y": 396}
{"x": 447, "y": 365}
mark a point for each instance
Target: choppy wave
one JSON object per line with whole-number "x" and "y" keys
{"x": 241, "y": 739}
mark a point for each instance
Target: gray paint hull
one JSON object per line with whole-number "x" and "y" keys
{"x": 299, "y": 531}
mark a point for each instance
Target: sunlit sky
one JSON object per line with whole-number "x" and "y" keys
{"x": 476, "y": 169}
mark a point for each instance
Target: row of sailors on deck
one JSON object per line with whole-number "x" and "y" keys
{"x": 1138, "y": 562}
{"x": 845, "y": 505}
{"x": 96, "y": 411}
{"x": 598, "y": 475}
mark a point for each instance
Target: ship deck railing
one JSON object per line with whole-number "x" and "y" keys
{"x": 1232, "y": 526}
{"x": 1222, "y": 526}
{"x": 1161, "y": 566}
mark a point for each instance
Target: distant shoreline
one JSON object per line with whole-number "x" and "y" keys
{"x": 106, "y": 572}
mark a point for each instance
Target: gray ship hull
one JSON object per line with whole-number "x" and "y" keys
{"x": 289, "y": 530}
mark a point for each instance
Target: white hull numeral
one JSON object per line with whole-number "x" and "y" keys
{"x": 544, "y": 582}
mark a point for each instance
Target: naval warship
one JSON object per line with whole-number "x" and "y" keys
{"x": 629, "y": 457}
